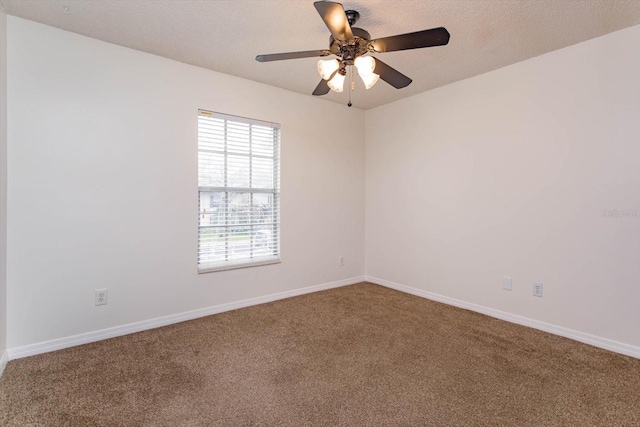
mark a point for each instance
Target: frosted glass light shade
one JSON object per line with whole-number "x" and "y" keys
{"x": 328, "y": 67}
{"x": 336, "y": 84}
{"x": 365, "y": 65}
{"x": 369, "y": 80}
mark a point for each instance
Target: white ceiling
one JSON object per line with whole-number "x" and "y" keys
{"x": 226, "y": 35}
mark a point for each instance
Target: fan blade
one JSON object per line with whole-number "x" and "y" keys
{"x": 335, "y": 19}
{"x": 322, "y": 88}
{"x": 426, "y": 38}
{"x": 292, "y": 55}
{"x": 390, "y": 75}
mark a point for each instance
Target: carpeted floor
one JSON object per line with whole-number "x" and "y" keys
{"x": 360, "y": 355}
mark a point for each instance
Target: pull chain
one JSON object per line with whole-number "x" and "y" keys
{"x": 352, "y": 85}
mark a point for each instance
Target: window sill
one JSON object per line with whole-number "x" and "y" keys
{"x": 255, "y": 262}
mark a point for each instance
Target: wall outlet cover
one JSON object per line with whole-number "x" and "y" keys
{"x": 101, "y": 296}
{"x": 537, "y": 289}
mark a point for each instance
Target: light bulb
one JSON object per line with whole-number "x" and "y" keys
{"x": 365, "y": 65}
{"x": 327, "y": 68}
{"x": 336, "y": 83}
{"x": 369, "y": 80}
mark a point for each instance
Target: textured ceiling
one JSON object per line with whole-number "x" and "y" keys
{"x": 226, "y": 36}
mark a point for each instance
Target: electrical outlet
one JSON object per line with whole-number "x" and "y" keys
{"x": 506, "y": 283}
{"x": 537, "y": 289}
{"x": 341, "y": 261}
{"x": 101, "y": 296}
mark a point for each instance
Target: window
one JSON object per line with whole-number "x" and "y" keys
{"x": 239, "y": 192}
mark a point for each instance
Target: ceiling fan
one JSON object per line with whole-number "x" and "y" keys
{"x": 351, "y": 44}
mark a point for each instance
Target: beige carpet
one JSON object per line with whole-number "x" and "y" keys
{"x": 361, "y": 355}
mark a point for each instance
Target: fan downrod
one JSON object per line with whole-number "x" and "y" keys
{"x": 352, "y": 16}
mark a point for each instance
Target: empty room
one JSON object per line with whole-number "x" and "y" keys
{"x": 299, "y": 213}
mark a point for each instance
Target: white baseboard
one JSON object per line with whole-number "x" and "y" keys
{"x": 607, "y": 344}
{"x": 103, "y": 334}
{"x": 4, "y": 359}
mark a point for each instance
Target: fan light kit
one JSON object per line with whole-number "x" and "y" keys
{"x": 364, "y": 64}
{"x": 351, "y": 44}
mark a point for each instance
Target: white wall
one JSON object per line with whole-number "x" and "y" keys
{"x": 103, "y": 185}
{"x": 508, "y": 173}
{"x": 3, "y": 187}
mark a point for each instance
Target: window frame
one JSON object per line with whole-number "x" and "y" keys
{"x": 274, "y": 243}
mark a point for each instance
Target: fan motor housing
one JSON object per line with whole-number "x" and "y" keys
{"x": 349, "y": 51}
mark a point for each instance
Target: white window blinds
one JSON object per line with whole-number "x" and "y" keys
{"x": 239, "y": 192}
